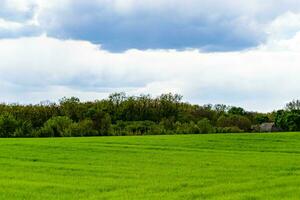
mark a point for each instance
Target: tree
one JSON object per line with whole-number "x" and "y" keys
{"x": 56, "y": 127}
{"x": 293, "y": 121}
{"x": 241, "y": 122}
{"x": 236, "y": 111}
{"x": 220, "y": 108}
{"x": 8, "y": 125}
{"x": 169, "y": 105}
{"x": 288, "y": 120}
{"x": 24, "y": 129}
{"x": 101, "y": 120}
{"x": 205, "y": 126}
{"x": 117, "y": 98}
{"x": 82, "y": 128}
{"x": 261, "y": 118}
{"x": 124, "y": 115}
{"x": 71, "y": 107}
{"x": 168, "y": 123}
{"x": 293, "y": 105}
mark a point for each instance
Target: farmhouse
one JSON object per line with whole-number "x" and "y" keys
{"x": 268, "y": 127}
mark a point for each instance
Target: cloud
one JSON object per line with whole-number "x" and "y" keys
{"x": 38, "y": 68}
{"x": 284, "y": 26}
{"x": 19, "y": 18}
{"x": 209, "y": 51}
{"x": 16, "y": 10}
{"x": 119, "y": 25}
{"x": 8, "y": 25}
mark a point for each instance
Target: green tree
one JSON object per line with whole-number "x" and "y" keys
{"x": 239, "y": 121}
{"x": 56, "y": 127}
{"x": 71, "y": 108}
{"x": 24, "y": 129}
{"x": 101, "y": 120}
{"x": 236, "y": 111}
{"x": 8, "y": 125}
{"x": 82, "y": 128}
{"x": 205, "y": 126}
{"x": 293, "y": 105}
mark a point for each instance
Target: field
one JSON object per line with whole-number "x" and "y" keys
{"x": 232, "y": 166}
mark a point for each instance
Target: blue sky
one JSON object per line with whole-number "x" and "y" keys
{"x": 211, "y": 51}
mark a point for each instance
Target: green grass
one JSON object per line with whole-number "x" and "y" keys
{"x": 232, "y": 166}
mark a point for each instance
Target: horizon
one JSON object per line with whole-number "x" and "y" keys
{"x": 183, "y": 100}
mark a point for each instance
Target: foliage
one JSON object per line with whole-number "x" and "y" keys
{"x": 101, "y": 120}
{"x": 205, "y": 126}
{"x": 8, "y": 125}
{"x": 56, "y": 127}
{"x": 24, "y": 129}
{"x": 231, "y": 129}
{"x": 135, "y": 115}
{"x": 239, "y": 121}
{"x": 236, "y": 111}
{"x": 293, "y": 105}
{"x": 288, "y": 120}
{"x": 261, "y": 118}
{"x": 82, "y": 128}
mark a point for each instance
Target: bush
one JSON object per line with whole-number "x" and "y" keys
{"x": 288, "y": 120}
{"x": 119, "y": 128}
{"x": 187, "y": 128}
{"x": 8, "y": 125}
{"x": 82, "y": 128}
{"x": 167, "y": 123}
{"x": 232, "y": 129}
{"x": 234, "y": 121}
{"x": 56, "y": 127}
{"x": 101, "y": 120}
{"x": 24, "y": 130}
{"x": 205, "y": 126}
{"x": 137, "y": 128}
{"x": 140, "y": 127}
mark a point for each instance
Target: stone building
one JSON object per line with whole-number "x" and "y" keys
{"x": 268, "y": 127}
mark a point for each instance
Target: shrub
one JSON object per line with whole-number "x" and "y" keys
{"x": 167, "y": 123}
{"x": 205, "y": 126}
{"x": 288, "y": 120}
{"x": 137, "y": 128}
{"x": 140, "y": 127}
{"x": 56, "y": 127}
{"x": 293, "y": 121}
{"x": 187, "y": 128}
{"x": 119, "y": 128}
{"x": 232, "y": 129}
{"x": 8, "y": 125}
{"x": 234, "y": 121}
{"x": 24, "y": 130}
{"x": 82, "y": 128}
{"x": 101, "y": 120}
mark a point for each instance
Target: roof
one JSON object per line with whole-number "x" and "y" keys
{"x": 267, "y": 126}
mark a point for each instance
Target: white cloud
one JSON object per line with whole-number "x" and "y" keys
{"x": 18, "y": 5}
{"x": 38, "y": 68}
{"x": 284, "y": 26}
{"x": 262, "y": 78}
{"x": 9, "y": 25}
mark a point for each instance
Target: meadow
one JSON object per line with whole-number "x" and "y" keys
{"x": 214, "y": 166}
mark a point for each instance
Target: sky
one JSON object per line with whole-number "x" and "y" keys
{"x": 244, "y": 53}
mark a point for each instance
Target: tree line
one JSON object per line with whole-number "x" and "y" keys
{"x": 120, "y": 114}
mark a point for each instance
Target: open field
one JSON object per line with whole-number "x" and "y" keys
{"x": 232, "y": 166}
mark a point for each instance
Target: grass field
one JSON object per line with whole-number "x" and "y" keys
{"x": 232, "y": 166}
